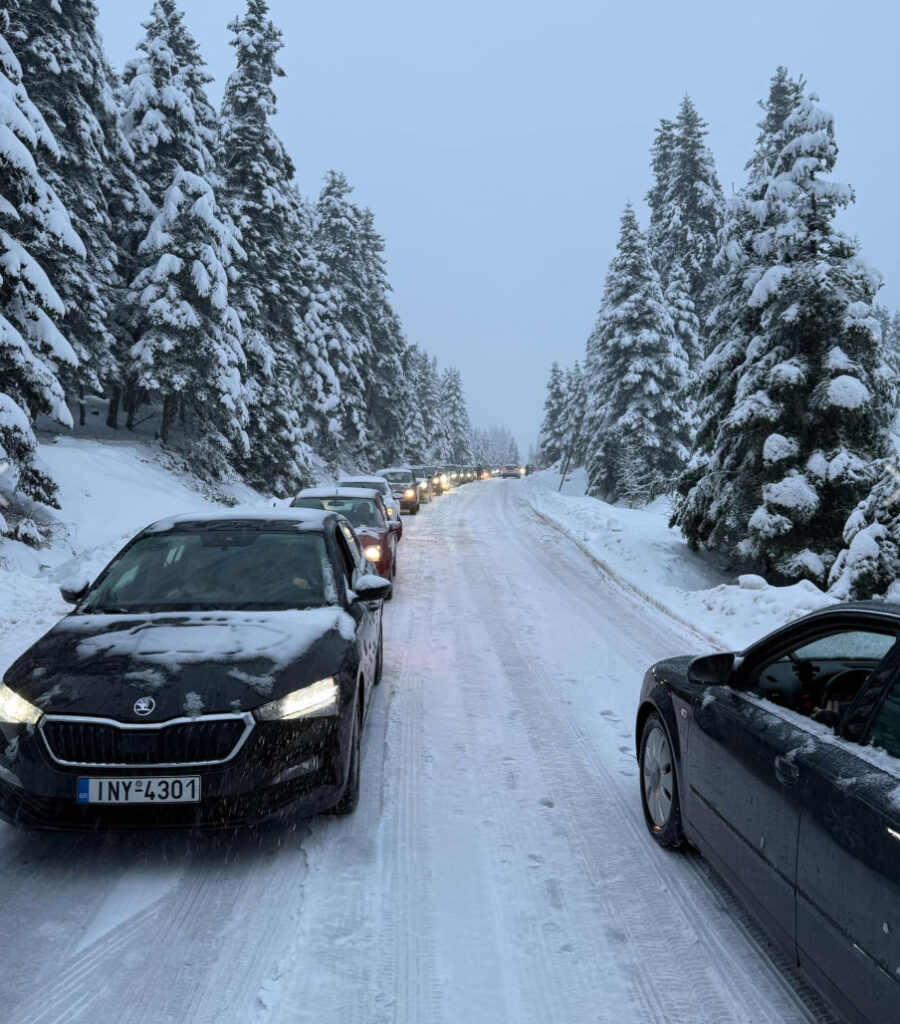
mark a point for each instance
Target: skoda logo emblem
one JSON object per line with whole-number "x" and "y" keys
{"x": 144, "y": 706}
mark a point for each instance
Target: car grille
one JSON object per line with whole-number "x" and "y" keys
{"x": 92, "y": 742}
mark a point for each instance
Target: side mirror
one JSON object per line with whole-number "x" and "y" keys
{"x": 72, "y": 591}
{"x": 711, "y": 669}
{"x": 372, "y": 588}
{"x": 394, "y": 526}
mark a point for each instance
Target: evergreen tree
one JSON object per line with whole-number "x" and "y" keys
{"x": 456, "y": 418}
{"x": 339, "y": 245}
{"x": 383, "y": 373}
{"x": 68, "y": 80}
{"x": 552, "y": 438}
{"x": 417, "y": 441}
{"x": 718, "y": 491}
{"x": 512, "y": 453}
{"x": 797, "y": 379}
{"x": 636, "y": 373}
{"x": 686, "y": 207}
{"x": 293, "y": 394}
{"x": 32, "y": 221}
{"x": 188, "y": 351}
{"x": 572, "y": 420}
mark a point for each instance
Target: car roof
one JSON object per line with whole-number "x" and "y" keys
{"x": 338, "y": 492}
{"x": 365, "y": 477}
{"x": 244, "y": 518}
{"x": 395, "y": 469}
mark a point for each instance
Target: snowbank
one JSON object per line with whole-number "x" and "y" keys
{"x": 645, "y": 554}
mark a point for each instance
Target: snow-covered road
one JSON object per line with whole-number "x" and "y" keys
{"x": 497, "y": 869}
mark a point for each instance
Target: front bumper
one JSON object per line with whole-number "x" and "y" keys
{"x": 282, "y": 770}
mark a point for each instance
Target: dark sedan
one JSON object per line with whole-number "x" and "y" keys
{"x": 405, "y": 487}
{"x": 217, "y": 673}
{"x": 782, "y": 765}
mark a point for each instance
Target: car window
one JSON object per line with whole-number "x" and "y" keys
{"x": 821, "y": 673}
{"x": 851, "y": 645}
{"x": 216, "y": 569}
{"x": 347, "y": 559}
{"x": 886, "y": 725}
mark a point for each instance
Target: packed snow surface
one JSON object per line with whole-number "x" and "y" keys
{"x": 497, "y": 868}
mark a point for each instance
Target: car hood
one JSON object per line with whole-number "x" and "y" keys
{"x": 189, "y": 663}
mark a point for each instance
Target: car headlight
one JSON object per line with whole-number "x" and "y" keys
{"x": 409, "y": 493}
{"x": 423, "y": 486}
{"x": 373, "y": 552}
{"x": 389, "y": 509}
{"x": 435, "y": 479}
{"x": 313, "y": 701}
{"x": 16, "y": 709}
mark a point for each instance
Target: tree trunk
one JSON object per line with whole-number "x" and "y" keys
{"x": 112, "y": 413}
{"x": 130, "y": 406}
{"x": 82, "y": 410}
{"x": 170, "y": 411}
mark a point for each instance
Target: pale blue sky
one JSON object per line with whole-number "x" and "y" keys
{"x": 498, "y": 140}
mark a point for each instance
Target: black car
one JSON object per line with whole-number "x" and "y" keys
{"x": 782, "y": 765}
{"x": 217, "y": 673}
{"x": 405, "y": 487}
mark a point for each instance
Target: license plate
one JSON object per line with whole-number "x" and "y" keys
{"x": 170, "y": 790}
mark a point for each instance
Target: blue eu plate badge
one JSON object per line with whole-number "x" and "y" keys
{"x": 84, "y": 791}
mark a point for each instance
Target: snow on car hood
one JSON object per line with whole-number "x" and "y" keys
{"x": 189, "y": 662}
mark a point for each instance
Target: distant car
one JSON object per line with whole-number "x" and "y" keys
{"x": 426, "y": 477}
{"x": 365, "y": 511}
{"x": 404, "y": 485}
{"x": 781, "y": 764}
{"x": 511, "y": 472}
{"x": 378, "y": 483}
{"x": 217, "y": 673}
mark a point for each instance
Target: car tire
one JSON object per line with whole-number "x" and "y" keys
{"x": 414, "y": 510}
{"x": 379, "y": 663}
{"x": 659, "y": 785}
{"x": 350, "y": 797}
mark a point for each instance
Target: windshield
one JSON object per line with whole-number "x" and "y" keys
{"x": 359, "y": 511}
{"x": 399, "y": 476}
{"x": 217, "y": 570}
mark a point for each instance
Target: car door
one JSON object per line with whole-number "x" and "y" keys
{"x": 848, "y": 880}
{"x": 751, "y": 750}
{"x": 746, "y": 772}
{"x": 366, "y": 613}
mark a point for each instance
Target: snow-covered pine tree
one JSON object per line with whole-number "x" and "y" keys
{"x": 339, "y": 246}
{"x": 292, "y": 392}
{"x": 32, "y": 220}
{"x": 417, "y": 443}
{"x": 172, "y": 130}
{"x": 512, "y": 453}
{"x": 636, "y": 373}
{"x": 811, "y": 401}
{"x": 428, "y": 394}
{"x": 68, "y": 80}
{"x": 686, "y": 206}
{"x": 384, "y": 371}
{"x": 188, "y": 351}
{"x": 572, "y": 421}
{"x": 719, "y": 490}
{"x": 456, "y": 417}
{"x": 552, "y": 439}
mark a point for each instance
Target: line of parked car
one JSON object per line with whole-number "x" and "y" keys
{"x": 218, "y": 672}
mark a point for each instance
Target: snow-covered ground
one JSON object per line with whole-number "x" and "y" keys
{"x": 643, "y": 552}
{"x": 497, "y": 869}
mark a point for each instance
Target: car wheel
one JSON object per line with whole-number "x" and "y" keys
{"x": 350, "y": 798}
{"x": 659, "y": 785}
{"x": 379, "y": 664}
{"x": 414, "y": 510}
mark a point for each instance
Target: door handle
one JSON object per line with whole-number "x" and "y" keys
{"x": 786, "y": 771}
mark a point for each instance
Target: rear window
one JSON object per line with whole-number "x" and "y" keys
{"x": 359, "y": 511}
{"x": 399, "y": 476}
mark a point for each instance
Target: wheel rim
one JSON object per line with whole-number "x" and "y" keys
{"x": 658, "y": 778}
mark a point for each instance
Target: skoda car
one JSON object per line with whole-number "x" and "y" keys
{"x": 217, "y": 673}
{"x": 782, "y": 765}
